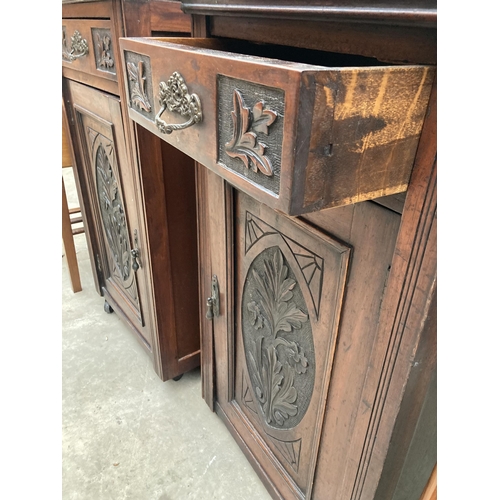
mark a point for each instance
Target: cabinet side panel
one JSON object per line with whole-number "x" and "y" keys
{"x": 372, "y": 232}
{"x": 169, "y": 204}
{"x": 180, "y": 197}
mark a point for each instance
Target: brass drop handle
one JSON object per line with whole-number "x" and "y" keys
{"x": 135, "y": 253}
{"x": 213, "y": 300}
{"x": 174, "y": 96}
{"x": 79, "y": 47}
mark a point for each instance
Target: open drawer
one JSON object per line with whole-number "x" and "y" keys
{"x": 298, "y": 130}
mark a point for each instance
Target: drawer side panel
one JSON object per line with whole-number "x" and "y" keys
{"x": 364, "y": 136}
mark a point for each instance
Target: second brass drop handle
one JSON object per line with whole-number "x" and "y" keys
{"x": 175, "y": 97}
{"x": 135, "y": 252}
{"x": 79, "y": 47}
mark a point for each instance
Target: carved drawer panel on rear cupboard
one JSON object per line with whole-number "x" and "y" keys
{"x": 87, "y": 46}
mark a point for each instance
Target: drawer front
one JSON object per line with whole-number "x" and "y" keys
{"x": 296, "y": 136}
{"x": 88, "y": 46}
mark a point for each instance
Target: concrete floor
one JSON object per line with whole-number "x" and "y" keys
{"x": 126, "y": 434}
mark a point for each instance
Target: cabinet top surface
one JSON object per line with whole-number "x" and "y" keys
{"x": 414, "y": 12}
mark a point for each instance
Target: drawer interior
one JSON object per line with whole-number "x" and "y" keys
{"x": 238, "y": 48}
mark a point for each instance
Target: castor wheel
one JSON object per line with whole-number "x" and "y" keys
{"x": 178, "y": 377}
{"x": 107, "y": 307}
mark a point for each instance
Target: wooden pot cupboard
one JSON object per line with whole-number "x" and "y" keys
{"x": 141, "y": 223}
{"x": 296, "y": 143}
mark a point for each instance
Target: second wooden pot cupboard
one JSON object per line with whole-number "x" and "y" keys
{"x": 317, "y": 288}
{"x": 140, "y": 223}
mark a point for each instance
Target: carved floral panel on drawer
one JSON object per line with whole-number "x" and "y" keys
{"x": 103, "y": 50}
{"x": 87, "y": 46}
{"x": 250, "y": 130}
{"x": 139, "y": 83}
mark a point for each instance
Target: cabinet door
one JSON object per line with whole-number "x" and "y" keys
{"x": 107, "y": 185}
{"x": 289, "y": 287}
{"x": 297, "y": 315}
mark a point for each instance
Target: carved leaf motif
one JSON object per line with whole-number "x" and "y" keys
{"x": 275, "y": 313}
{"x": 289, "y": 316}
{"x": 276, "y": 291}
{"x": 256, "y": 362}
{"x": 262, "y": 118}
{"x": 283, "y": 406}
{"x": 294, "y": 353}
{"x": 244, "y": 144}
{"x": 104, "y": 49}
{"x": 138, "y": 93}
{"x": 112, "y": 213}
{"x": 256, "y": 316}
{"x": 132, "y": 72}
{"x": 100, "y": 47}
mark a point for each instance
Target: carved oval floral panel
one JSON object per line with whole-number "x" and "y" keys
{"x": 277, "y": 338}
{"x": 113, "y": 214}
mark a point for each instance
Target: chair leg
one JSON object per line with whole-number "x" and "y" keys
{"x": 69, "y": 245}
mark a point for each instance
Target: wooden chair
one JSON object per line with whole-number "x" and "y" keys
{"x": 430, "y": 492}
{"x": 67, "y": 221}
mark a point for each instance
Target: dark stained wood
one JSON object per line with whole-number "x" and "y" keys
{"x": 180, "y": 197}
{"x": 395, "y": 202}
{"x": 168, "y": 16}
{"x": 149, "y": 17}
{"x": 81, "y": 10}
{"x": 105, "y": 167}
{"x": 377, "y": 427}
{"x": 372, "y": 231}
{"x": 348, "y": 133}
{"x": 168, "y": 187}
{"x": 168, "y": 327}
{"x": 365, "y": 429}
{"x": 317, "y": 300}
{"x": 355, "y": 472}
{"x": 137, "y": 18}
{"x": 91, "y": 80}
{"x": 214, "y": 202}
{"x": 406, "y": 307}
{"x": 200, "y": 26}
{"x": 412, "y": 453}
{"x": 350, "y": 224}
{"x": 90, "y": 68}
{"x": 204, "y": 195}
{"x": 397, "y": 12}
{"x": 393, "y": 44}
{"x": 89, "y": 63}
